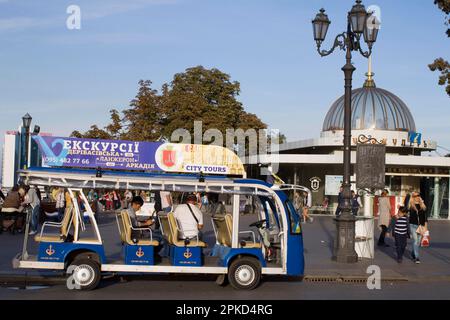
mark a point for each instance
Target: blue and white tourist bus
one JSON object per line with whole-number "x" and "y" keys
{"x": 244, "y": 247}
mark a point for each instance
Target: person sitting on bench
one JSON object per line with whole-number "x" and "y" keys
{"x": 190, "y": 218}
{"x": 11, "y": 207}
{"x": 135, "y": 211}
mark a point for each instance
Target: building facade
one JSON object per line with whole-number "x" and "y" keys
{"x": 376, "y": 114}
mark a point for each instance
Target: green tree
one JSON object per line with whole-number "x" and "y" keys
{"x": 198, "y": 94}
{"x": 93, "y": 133}
{"x": 115, "y": 128}
{"x": 143, "y": 120}
{"x": 440, "y": 64}
{"x": 206, "y": 95}
{"x": 444, "y": 5}
{"x": 111, "y": 131}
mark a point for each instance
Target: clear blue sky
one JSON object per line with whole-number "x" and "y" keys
{"x": 69, "y": 79}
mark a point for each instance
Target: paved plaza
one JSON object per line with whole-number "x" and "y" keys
{"x": 324, "y": 278}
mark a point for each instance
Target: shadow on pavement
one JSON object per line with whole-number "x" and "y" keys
{"x": 329, "y": 235}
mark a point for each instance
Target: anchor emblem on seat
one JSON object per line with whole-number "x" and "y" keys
{"x": 140, "y": 253}
{"x": 187, "y": 254}
{"x": 50, "y": 250}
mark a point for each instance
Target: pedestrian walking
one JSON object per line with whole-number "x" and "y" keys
{"x": 90, "y": 195}
{"x": 116, "y": 199}
{"x": 128, "y": 198}
{"x": 356, "y": 203}
{"x": 298, "y": 203}
{"x": 204, "y": 203}
{"x": 60, "y": 203}
{"x": 32, "y": 198}
{"x": 401, "y": 232}
{"x": 108, "y": 201}
{"x": 384, "y": 216}
{"x": 407, "y": 198}
{"x": 166, "y": 201}
{"x": 340, "y": 201}
{"x": 2, "y": 196}
{"x": 306, "y": 205}
{"x": 418, "y": 222}
{"x": 68, "y": 200}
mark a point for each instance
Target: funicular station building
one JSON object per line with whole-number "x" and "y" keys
{"x": 377, "y": 114}
{"x": 380, "y": 116}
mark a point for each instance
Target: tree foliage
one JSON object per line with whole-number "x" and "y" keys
{"x": 198, "y": 94}
{"x": 444, "y": 5}
{"x": 93, "y": 133}
{"x": 143, "y": 120}
{"x": 440, "y": 64}
{"x": 443, "y": 67}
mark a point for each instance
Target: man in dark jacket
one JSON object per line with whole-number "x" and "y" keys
{"x": 340, "y": 201}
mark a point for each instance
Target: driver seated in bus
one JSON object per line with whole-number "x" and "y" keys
{"x": 189, "y": 218}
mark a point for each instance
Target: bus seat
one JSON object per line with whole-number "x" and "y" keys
{"x": 64, "y": 229}
{"x": 121, "y": 227}
{"x": 48, "y": 238}
{"x": 165, "y": 228}
{"x": 223, "y": 234}
{"x": 243, "y": 244}
{"x": 126, "y": 221}
{"x": 175, "y": 235}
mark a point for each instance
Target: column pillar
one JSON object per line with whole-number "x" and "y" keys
{"x": 448, "y": 196}
{"x": 367, "y": 205}
{"x": 436, "y": 198}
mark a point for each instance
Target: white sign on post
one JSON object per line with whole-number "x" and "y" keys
{"x": 333, "y": 183}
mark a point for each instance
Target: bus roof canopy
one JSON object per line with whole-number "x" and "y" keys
{"x": 88, "y": 179}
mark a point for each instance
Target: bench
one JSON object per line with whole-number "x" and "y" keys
{"x": 223, "y": 226}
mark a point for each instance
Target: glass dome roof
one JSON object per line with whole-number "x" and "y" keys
{"x": 372, "y": 108}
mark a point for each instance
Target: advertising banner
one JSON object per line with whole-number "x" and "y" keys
{"x": 370, "y": 166}
{"x": 136, "y": 155}
{"x": 93, "y": 153}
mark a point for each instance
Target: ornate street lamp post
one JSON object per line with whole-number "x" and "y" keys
{"x": 26, "y": 124}
{"x": 359, "y": 22}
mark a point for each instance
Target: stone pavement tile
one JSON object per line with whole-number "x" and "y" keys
{"x": 318, "y": 243}
{"x": 318, "y": 240}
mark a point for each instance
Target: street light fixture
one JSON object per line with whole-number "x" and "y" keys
{"x": 358, "y": 16}
{"x": 359, "y": 21}
{"x": 36, "y": 130}
{"x": 371, "y": 30}
{"x": 26, "y": 123}
{"x": 320, "y": 26}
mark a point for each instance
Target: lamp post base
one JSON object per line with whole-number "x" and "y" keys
{"x": 344, "y": 247}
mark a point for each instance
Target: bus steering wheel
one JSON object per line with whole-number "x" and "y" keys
{"x": 258, "y": 224}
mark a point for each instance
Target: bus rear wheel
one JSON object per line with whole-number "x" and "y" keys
{"x": 244, "y": 273}
{"x": 85, "y": 274}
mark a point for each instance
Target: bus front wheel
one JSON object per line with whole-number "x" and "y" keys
{"x": 244, "y": 273}
{"x": 85, "y": 274}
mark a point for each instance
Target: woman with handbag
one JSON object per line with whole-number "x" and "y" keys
{"x": 418, "y": 222}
